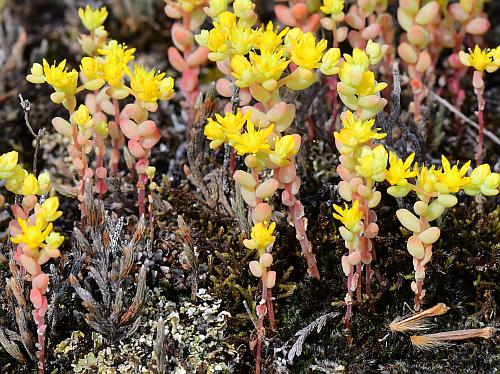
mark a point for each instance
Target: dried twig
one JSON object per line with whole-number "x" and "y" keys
{"x": 495, "y": 139}
{"x": 26, "y": 105}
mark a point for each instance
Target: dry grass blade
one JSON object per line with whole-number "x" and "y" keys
{"x": 441, "y": 339}
{"x": 417, "y": 321}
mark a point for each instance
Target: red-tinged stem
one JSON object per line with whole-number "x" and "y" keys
{"x": 300, "y": 229}
{"x": 418, "y": 294}
{"x": 115, "y": 152}
{"x": 74, "y": 128}
{"x": 359, "y": 293}
{"x": 479, "y": 152}
{"x": 348, "y": 312}
{"x": 141, "y": 191}
{"x": 311, "y": 130}
{"x": 270, "y": 309}
{"x": 41, "y": 349}
{"x": 260, "y": 339}
{"x": 232, "y": 161}
{"x": 151, "y": 218}
{"x": 368, "y": 283}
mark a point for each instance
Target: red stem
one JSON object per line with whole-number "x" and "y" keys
{"x": 479, "y": 152}
{"x": 115, "y": 152}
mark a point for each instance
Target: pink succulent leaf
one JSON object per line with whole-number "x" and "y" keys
{"x": 129, "y": 129}
{"x": 136, "y": 149}
{"x": 176, "y": 60}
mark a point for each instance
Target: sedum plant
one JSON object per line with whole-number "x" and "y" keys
{"x": 463, "y": 20}
{"x": 107, "y": 79}
{"x": 481, "y": 60}
{"x": 362, "y": 165}
{"x": 184, "y": 56}
{"x": 257, "y": 60}
{"x": 418, "y": 19}
{"x": 435, "y": 189}
{"x": 31, "y": 232}
{"x": 303, "y": 14}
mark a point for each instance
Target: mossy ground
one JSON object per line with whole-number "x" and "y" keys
{"x": 464, "y": 273}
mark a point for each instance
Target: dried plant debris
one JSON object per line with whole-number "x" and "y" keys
{"x": 112, "y": 292}
{"x": 174, "y": 338}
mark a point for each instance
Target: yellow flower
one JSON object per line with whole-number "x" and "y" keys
{"x": 269, "y": 65}
{"x": 89, "y": 66}
{"x": 14, "y": 182}
{"x": 451, "y": 179}
{"x": 215, "y": 7}
{"x": 355, "y": 132}
{"x": 242, "y": 8}
{"x": 57, "y": 76}
{"x": 242, "y": 39}
{"x": 354, "y": 67}
{"x": 372, "y": 163}
{"x": 269, "y": 39}
{"x": 82, "y": 117}
{"x": 479, "y": 59}
{"x": 149, "y": 87}
{"x": 217, "y": 44}
{"x": 357, "y": 87}
{"x": 399, "y": 171}
{"x": 44, "y": 182}
{"x": 54, "y": 240}
{"x": 30, "y": 185}
{"x": 332, "y": 6}
{"x": 330, "y": 62}
{"x": 219, "y": 130}
{"x": 284, "y": 150}
{"x": 426, "y": 179}
{"x": 350, "y": 217}
{"x": 32, "y": 235}
{"x": 496, "y": 55}
{"x": 120, "y": 51}
{"x": 482, "y": 180}
{"x": 92, "y": 18}
{"x": 48, "y": 210}
{"x": 243, "y": 71}
{"x": 8, "y": 162}
{"x": 305, "y": 52}
{"x": 261, "y": 236}
{"x": 252, "y": 141}
{"x": 114, "y": 62}
{"x": 375, "y": 51}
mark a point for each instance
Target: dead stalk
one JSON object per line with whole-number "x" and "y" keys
{"x": 440, "y": 339}
{"x": 418, "y": 320}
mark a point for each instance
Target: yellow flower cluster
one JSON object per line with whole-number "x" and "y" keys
{"x": 36, "y": 235}
{"x": 264, "y": 143}
{"x": 108, "y": 66}
{"x": 357, "y": 88}
{"x": 56, "y": 75}
{"x": 259, "y": 57}
{"x": 355, "y": 132}
{"x": 93, "y": 19}
{"x": 481, "y": 60}
{"x": 442, "y": 181}
{"x": 18, "y": 180}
